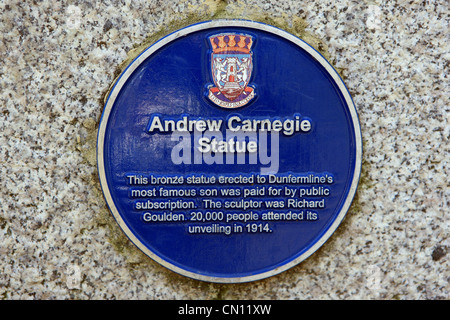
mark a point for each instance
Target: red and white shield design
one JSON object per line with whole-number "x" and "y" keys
{"x": 231, "y": 68}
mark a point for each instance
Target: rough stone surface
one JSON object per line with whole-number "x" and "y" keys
{"x": 58, "y": 59}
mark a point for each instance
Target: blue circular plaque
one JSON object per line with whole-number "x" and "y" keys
{"x": 229, "y": 151}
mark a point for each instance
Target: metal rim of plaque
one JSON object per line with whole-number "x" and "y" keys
{"x": 226, "y": 66}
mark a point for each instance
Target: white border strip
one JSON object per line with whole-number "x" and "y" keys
{"x": 183, "y": 32}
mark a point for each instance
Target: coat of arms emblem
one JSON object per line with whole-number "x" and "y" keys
{"x": 231, "y": 68}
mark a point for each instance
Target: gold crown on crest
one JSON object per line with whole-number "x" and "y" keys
{"x": 231, "y": 43}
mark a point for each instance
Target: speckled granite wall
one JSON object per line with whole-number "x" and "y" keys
{"x": 57, "y": 61}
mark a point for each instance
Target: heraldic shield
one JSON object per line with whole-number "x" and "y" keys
{"x": 231, "y": 68}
